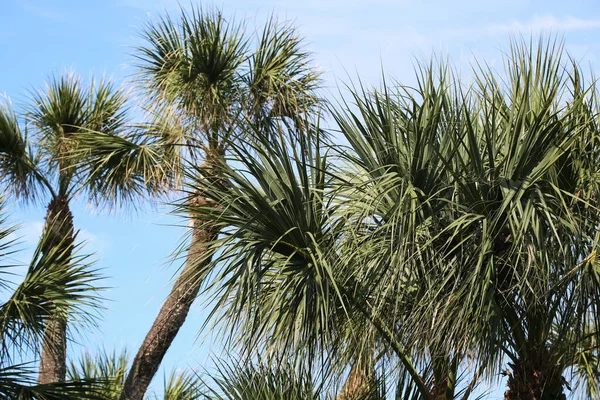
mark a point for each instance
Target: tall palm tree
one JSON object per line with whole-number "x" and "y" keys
{"x": 544, "y": 234}
{"x": 37, "y": 162}
{"x": 395, "y": 177}
{"x": 203, "y": 81}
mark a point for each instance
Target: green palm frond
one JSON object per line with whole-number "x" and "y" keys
{"x": 121, "y": 170}
{"x": 280, "y": 79}
{"x": 107, "y": 108}
{"x": 106, "y": 369}
{"x": 202, "y": 66}
{"x": 193, "y": 64}
{"x": 258, "y": 380}
{"x": 181, "y": 386}
{"x": 50, "y": 286}
{"x": 47, "y": 286}
{"x": 59, "y": 110}
{"x": 17, "y": 382}
{"x": 66, "y": 109}
{"x": 18, "y": 162}
{"x": 276, "y": 236}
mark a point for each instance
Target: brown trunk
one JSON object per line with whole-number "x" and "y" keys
{"x": 359, "y": 384}
{"x": 528, "y": 382}
{"x": 171, "y": 316}
{"x": 53, "y": 365}
{"x": 59, "y": 237}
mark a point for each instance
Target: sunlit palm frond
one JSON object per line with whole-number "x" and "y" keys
{"x": 124, "y": 169}
{"x": 47, "y": 286}
{"x": 59, "y": 110}
{"x": 17, "y": 382}
{"x": 193, "y": 64}
{"x": 181, "y": 386}
{"x": 64, "y": 110}
{"x": 281, "y": 80}
{"x": 107, "y": 108}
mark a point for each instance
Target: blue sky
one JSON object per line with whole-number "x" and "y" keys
{"x": 348, "y": 37}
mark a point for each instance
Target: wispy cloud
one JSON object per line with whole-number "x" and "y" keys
{"x": 534, "y": 25}
{"x": 43, "y": 12}
{"x": 546, "y": 23}
{"x": 94, "y": 242}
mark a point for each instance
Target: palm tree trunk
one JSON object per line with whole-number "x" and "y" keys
{"x": 173, "y": 312}
{"x": 59, "y": 238}
{"x": 53, "y": 364}
{"x": 529, "y": 382}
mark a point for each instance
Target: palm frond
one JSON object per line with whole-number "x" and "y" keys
{"x": 277, "y": 237}
{"x": 280, "y": 78}
{"x": 66, "y": 109}
{"x": 17, "y": 159}
{"x": 107, "y": 370}
{"x": 51, "y": 285}
{"x": 245, "y": 380}
{"x": 181, "y": 385}
{"x": 192, "y": 64}
{"x": 121, "y": 170}
{"x": 17, "y": 382}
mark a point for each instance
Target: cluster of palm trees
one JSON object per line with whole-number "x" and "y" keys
{"x": 430, "y": 240}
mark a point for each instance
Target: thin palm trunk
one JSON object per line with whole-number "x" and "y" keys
{"x": 173, "y": 312}
{"x": 59, "y": 239}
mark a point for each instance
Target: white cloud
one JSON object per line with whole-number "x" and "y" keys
{"x": 545, "y": 23}
{"x": 535, "y": 25}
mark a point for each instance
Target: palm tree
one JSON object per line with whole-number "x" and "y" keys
{"x": 203, "y": 82}
{"x": 541, "y": 250}
{"x": 395, "y": 177}
{"x": 500, "y": 179}
{"x": 37, "y": 161}
{"x": 49, "y": 285}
